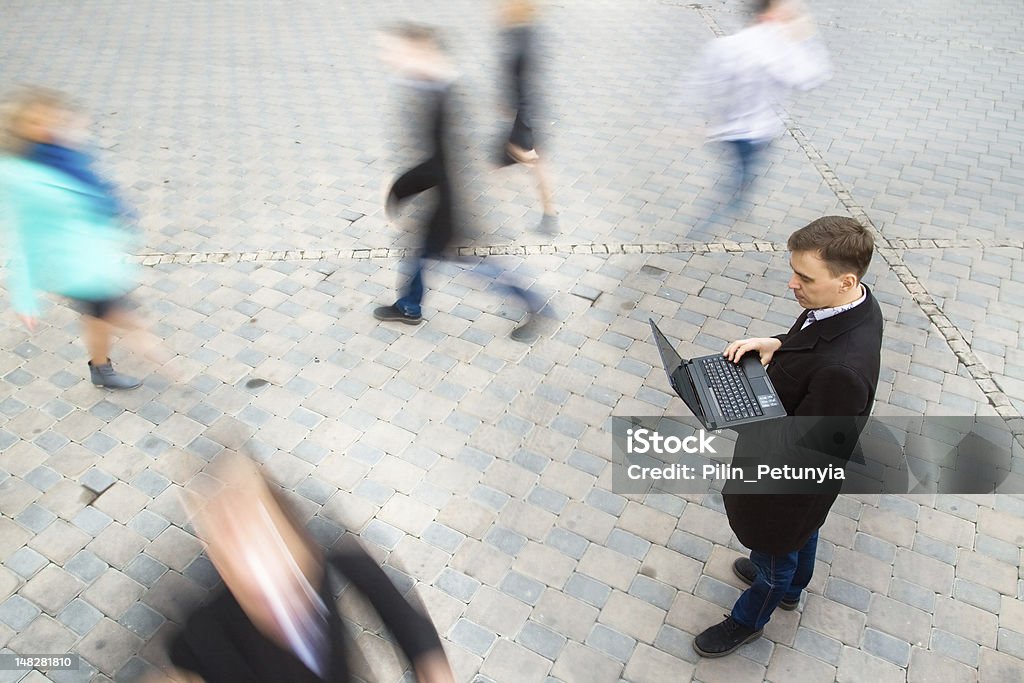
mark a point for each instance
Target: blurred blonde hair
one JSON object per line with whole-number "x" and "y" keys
{"x": 518, "y": 12}
{"x": 15, "y": 107}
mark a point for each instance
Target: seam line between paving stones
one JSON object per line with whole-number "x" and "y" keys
{"x": 189, "y": 257}
{"x": 981, "y": 375}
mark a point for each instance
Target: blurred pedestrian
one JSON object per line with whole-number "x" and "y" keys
{"x": 276, "y": 619}
{"x": 518, "y": 19}
{"x": 66, "y": 232}
{"x": 416, "y": 54}
{"x": 742, "y": 80}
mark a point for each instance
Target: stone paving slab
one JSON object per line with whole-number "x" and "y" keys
{"x": 475, "y": 468}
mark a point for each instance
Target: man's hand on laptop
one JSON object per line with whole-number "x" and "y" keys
{"x": 765, "y": 347}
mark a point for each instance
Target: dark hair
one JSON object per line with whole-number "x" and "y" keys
{"x": 842, "y": 243}
{"x": 759, "y": 6}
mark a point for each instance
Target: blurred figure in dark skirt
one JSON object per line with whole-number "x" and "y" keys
{"x": 518, "y": 19}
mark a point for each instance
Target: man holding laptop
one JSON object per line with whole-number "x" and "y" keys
{"x": 826, "y": 365}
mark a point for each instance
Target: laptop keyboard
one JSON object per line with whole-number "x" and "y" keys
{"x": 726, "y": 382}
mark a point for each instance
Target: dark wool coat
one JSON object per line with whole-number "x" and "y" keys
{"x": 222, "y": 645}
{"x": 828, "y": 369}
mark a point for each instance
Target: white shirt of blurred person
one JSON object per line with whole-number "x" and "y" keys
{"x": 741, "y": 80}
{"x": 747, "y": 75}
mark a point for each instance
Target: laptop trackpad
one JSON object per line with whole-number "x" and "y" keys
{"x": 759, "y": 386}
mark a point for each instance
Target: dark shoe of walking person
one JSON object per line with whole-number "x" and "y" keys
{"x": 394, "y": 314}
{"x": 548, "y": 224}
{"x": 527, "y": 332}
{"x": 106, "y": 377}
{"x": 724, "y": 638}
{"x": 745, "y": 570}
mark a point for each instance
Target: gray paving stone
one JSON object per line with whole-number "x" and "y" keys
{"x": 202, "y": 571}
{"x": 17, "y": 612}
{"x": 912, "y": 594}
{"x": 848, "y": 594}
{"x": 611, "y": 642}
{"x": 42, "y": 478}
{"x": 717, "y": 592}
{"x": 148, "y": 523}
{"x": 541, "y": 640}
{"x": 86, "y": 566}
{"x": 606, "y": 501}
{"x": 655, "y": 592}
{"x": 690, "y": 545}
{"x": 974, "y": 594}
{"x": 79, "y": 616}
{"x": 954, "y": 647}
{"x": 547, "y": 499}
{"x": 26, "y": 562}
{"x": 151, "y": 483}
{"x": 35, "y": 518}
{"x": 91, "y": 520}
{"x": 887, "y": 647}
{"x": 383, "y": 534}
{"x": 141, "y": 620}
{"x": 473, "y": 637}
{"x": 568, "y": 543}
{"x": 588, "y": 590}
{"x": 443, "y": 537}
{"x": 145, "y": 570}
{"x": 875, "y": 547}
{"x": 505, "y": 540}
{"x": 457, "y": 585}
{"x": 818, "y": 645}
{"x": 522, "y": 588}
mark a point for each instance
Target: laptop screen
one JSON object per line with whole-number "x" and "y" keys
{"x": 670, "y": 358}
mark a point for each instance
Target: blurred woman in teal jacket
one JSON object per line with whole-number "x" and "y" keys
{"x": 65, "y": 231}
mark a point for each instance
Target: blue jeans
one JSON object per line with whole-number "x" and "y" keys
{"x": 778, "y": 577}
{"x": 412, "y": 297}
{"x": 748, "y": 158}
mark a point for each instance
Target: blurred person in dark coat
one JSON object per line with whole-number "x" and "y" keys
{"x": 276, "y": 619}
{"x": 415, "y": 53}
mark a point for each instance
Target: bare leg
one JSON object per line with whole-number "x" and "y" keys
{"x": 145, "y": 343}
{"x": 540, "y": 170}
{"x": 96, "y": 335}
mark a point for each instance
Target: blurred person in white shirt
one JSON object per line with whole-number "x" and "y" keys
{"x": 741, "y": 81}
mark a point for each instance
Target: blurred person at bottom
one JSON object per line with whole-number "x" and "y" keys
{"x": 66, "y": 231}
{"x": 276, "y": 620}
{"x": 518, "y": 19}
{"x": 415, "y": 53}
{"x": 742, "y": 79}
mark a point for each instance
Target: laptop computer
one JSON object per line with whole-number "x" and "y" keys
{"x": 720, "y": 393}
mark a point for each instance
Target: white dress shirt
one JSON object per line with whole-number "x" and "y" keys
{"x": 816, "y": 314}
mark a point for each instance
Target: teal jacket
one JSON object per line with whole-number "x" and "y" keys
{"x": 57, "y": 239}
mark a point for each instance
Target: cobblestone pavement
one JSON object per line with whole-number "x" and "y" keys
{"x": 255, "y": 139}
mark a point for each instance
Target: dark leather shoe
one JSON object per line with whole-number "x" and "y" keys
{"x": 106, "y": 377}
{"x": 724, "y": 638}
{"x": 394, "y": 314}
{"x": 745, "y": 570}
